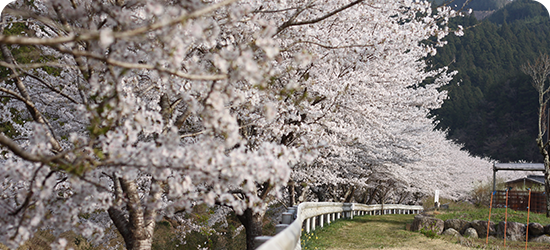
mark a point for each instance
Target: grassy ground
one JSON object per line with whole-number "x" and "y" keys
{"x": 373, "y": 232}
{"x": 470, "y": 212}
{"x": 389, "y": 231}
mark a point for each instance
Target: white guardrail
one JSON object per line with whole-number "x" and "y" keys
{"x": 319, "y": 213}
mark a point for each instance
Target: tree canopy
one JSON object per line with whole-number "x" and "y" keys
{"x": 126, "y": 112}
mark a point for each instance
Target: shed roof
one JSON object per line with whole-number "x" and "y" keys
{"x": 539, "y": 179}
{"x": 518, "y": 166}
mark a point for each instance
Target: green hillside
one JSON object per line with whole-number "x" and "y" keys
{"x": 492, "y": 108}
{"x": 474, "y": 4}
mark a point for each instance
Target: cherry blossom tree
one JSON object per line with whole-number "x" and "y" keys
{"x": 363, "y": 82}
{"x": 143, "y": 109}
{"x": 134, "y": 108}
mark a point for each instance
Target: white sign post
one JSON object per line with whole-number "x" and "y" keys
{"x": 436, "y": 199}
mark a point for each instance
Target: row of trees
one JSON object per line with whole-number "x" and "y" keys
{"x": 142, "y": 110}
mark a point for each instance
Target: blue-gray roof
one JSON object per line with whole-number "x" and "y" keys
{"x": 534, "y": 178}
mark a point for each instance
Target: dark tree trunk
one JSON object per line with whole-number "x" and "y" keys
{"x": 546, "y": 156}
{"x": 252, "y": 223}
{"x": 372, "y": 194}
{"x": 349, "y": 194}
{"x": 547, "y": 188}
{"x": 320, "y": 192}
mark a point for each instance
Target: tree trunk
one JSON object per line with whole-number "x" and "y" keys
{"x": 544, "y": 153}
{"x": 539, "y": 71}
{"x": 372, "y": 195}
{"x": 547, "y": 190}
{"x": 349, "y": 194}
{"x": 546, "y": 179}
{"x": 252, "y": 223}
{"x": 320, "y": 192}
{"x": 137, "y": 229}
{"x": 291, "y": 194}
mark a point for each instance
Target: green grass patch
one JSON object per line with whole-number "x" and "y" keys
{"x": 471, "y": 212}
{"x": 478, "y": 211}
{"x": 389, "y": 231}
{"x": 372, "y": 232}
{"x": 497, "y": 214}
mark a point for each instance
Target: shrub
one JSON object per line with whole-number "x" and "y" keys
{"x": 428, "y": 233}
{"x": 480, "y": 195}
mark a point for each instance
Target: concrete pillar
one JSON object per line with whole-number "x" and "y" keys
{"x": 313, "y": 223}
{"x": 279, "y": 228}
{"x": 259, "y": 240}
{"x": 308, "y": 225}
{"x": 348, "y": 210}
{"x": 292, "y": 210}
{"x": 322, "y": 220}
{"x": 287, "y": 218}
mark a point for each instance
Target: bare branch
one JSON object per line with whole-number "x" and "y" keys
{"x": 35, "y": 113}
{"x": 95, "y": 35}
{"x": 334, "y": 47}
{"x": 290, "y": 23}
{"x": 274, "y": 11}
{"x": 37, "y": 65}
{"x": 16, "y": 96}
{"x": 128, "y": 65}
{"x": 50, "y": 87}
{"x": 17, "y": 150}
{"x": 13, "y": 147}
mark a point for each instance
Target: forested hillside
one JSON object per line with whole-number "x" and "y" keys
{"x": 475, "y": 4}
{"x": 492, "y": 107}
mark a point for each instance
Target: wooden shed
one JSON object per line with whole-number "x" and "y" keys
{"x": 530, "y": 181}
